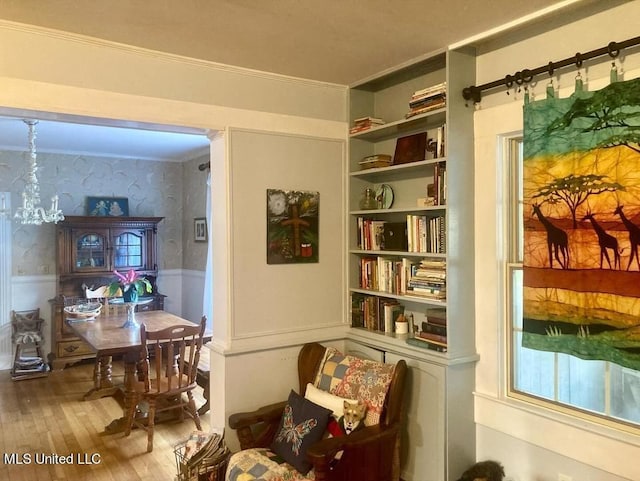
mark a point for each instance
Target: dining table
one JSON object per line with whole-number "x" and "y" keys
{"x": 110, "y": 335}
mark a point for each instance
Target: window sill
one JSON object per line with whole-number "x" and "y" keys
{"x": 558, "y": 432}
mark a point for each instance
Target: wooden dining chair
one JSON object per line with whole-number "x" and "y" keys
{"x": 166, "y": 376}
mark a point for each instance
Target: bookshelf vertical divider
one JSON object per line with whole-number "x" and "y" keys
{"x": 427, "y": 195}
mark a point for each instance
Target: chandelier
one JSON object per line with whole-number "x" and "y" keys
{"x": 31, "y": 212}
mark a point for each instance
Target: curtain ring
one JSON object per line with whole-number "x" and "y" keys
{"x": 613, "y": 49}
{"x": 508, "y": 81}
{"x": 578, "y": 60}
{"x": 526, "y": 75}
{"x": 550, "y": 68}
{"x": 519, "y": 78}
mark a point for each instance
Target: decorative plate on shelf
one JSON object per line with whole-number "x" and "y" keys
{"x": 384, "y": 196}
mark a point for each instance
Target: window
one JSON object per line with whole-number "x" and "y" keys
{"x": 600, "y": 390}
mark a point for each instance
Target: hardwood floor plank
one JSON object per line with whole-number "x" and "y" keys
{"x": 47, "y": 417}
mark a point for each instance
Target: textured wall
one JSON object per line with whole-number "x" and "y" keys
{"x": 194, "y": 201}
{"x": 153, "y": 189}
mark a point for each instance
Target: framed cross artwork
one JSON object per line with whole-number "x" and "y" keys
{"x": 292, "y": 226}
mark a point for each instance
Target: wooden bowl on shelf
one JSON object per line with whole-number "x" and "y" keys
{"x": 83, "y": 311}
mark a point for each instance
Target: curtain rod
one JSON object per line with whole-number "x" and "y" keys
{"x": 474, "y": 92}
{"x": 204, "y": 166}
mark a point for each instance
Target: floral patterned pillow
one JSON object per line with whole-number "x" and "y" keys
{"x": 354, "y": 378}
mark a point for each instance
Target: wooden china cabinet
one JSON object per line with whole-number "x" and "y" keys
{"x": 88, "y": 251}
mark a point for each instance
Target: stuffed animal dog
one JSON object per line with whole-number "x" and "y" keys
{"x": 484, "y": 471}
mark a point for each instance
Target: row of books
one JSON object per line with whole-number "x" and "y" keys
{"x": 438, "y": 190}
{"x": 420, "y": 234}
{"x": 365, "y": 123}
{"x": 426, "y": 234}
{"x": 382, "y": 274}
{"x": 436, "y": 146}
{"x": 423, "y": 278}
{"x": 375, "y": 313}
{"x": 427, "y": 99}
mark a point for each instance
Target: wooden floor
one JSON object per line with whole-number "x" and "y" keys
{"x": 47, "y": 416}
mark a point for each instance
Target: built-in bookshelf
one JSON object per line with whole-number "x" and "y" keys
{"x": 410, "y": 243}
{"x": 424, "y": 195}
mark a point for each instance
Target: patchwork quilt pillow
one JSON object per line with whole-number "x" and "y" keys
{"x": 354, "y": 378}
{"x": 303, "y": 423}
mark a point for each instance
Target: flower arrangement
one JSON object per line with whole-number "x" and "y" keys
{"x": 131, "y": 284}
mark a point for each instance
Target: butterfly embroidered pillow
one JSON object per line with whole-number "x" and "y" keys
{"x": 303, "y": 423}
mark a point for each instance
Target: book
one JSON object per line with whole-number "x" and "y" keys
{"x": 435, "y": 338}
{"x": 432, "y": 328}
{"x": 411, "y": 148}
{"x": 424, "y": 344}
{"x": 394, "y": 236}
{"x": 391, "y": 312}
{"x": 437, "y": 316}
{"x": 365, "y": 123}
{"x": 368, "y": 120}
{"x": 440, "y": 87}
{"x": 375, "y": 161}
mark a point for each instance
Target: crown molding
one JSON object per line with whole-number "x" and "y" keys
{"x": 156, "y": 54}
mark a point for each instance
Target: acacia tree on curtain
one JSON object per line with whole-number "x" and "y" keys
{"x": 582, "y": 224}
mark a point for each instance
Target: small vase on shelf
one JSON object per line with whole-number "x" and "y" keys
{"x": 368, "y": 200}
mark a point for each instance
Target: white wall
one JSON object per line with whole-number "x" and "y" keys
{"x": 532, "y": 443}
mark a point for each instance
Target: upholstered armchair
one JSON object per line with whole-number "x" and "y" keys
{"x": 268, "y": 435}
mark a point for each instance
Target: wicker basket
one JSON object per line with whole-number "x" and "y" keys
{"x": 83, "y": 311}
{"x": 208, "y": 469}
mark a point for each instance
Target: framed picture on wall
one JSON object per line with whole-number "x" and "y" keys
{"x": 200, "y": 229}
{"x": 108, "y": 206}
{"x": 292, "y": 226}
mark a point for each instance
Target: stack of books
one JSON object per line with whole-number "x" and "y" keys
{"x": 427, "y": 99}
{"x": 365, "y": 123}
{"x": 28, "y": 367}
{"x": 433, "y": 331}
{"x": 428, "y": 279}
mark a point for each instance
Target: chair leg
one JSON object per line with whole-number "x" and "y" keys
{"x": 193, "y": 410}
{"x": 17, "y": 356}
{"x": 130, "y": 415}
{"x": 151, "y": 421}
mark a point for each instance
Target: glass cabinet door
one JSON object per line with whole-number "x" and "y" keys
{"x": 129, "y": 249}
{"x": 90, "y": 251}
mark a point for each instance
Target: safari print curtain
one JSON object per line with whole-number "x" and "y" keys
{"x": 582, "y": 224}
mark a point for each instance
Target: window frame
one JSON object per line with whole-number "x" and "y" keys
{"x": 511, "y": 154}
